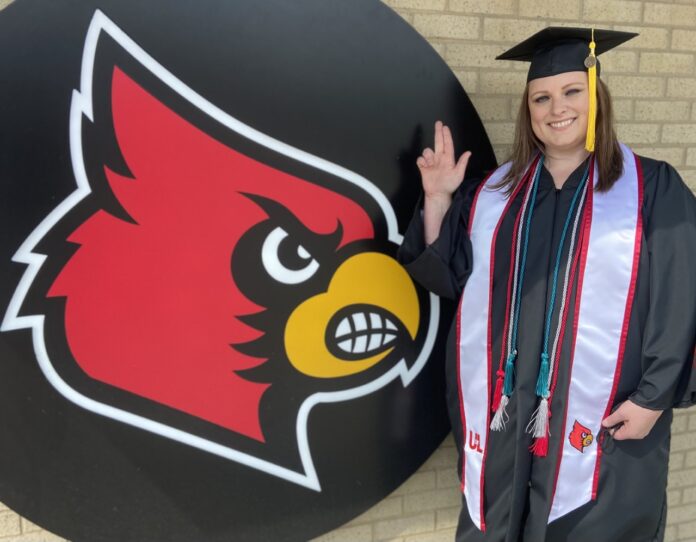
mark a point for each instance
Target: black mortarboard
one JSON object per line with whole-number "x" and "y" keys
{"x": 559, "y": 49}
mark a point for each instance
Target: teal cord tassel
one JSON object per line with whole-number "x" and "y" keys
{"x": 509, "y": 374}
{"x": 542, "y": 380}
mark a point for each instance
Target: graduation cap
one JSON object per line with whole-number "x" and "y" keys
{"x": 557, "y": 49}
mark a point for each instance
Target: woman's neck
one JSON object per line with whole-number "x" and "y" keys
{"x": 561, "y": 163}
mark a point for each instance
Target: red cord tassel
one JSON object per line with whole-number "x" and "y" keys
{"x": 498, "y": 393}
{"x": 541, "y": 446}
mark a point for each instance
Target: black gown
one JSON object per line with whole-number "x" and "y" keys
{"x": 656, "y": 371}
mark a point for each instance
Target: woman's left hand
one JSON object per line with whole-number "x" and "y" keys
{"x": 635, "y": 421}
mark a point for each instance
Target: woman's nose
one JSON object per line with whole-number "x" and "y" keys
{"x": 558, "y": 106}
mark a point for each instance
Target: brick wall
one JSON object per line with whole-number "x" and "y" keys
{"x": 653, "y": 82}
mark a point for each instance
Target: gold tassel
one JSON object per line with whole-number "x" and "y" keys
{"x": 591, "y": 64}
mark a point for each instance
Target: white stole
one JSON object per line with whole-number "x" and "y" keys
{"x": 603, "y": 307}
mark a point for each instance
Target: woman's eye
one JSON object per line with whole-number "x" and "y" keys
{"x": 286, "y": 261}
{"x": 572, "y": 91}
{"x": 540, "y": 99}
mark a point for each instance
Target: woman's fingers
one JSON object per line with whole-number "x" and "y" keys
{"x": 429, "y": 156}
{"x": 448, "y": 144}
{"x": 439, "y": 137}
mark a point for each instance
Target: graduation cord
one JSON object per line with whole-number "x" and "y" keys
{"x": 506, "y": 373}
{"x": 539, "y": 424}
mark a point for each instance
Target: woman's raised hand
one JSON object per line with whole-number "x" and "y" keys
{"x": 440, "y": 174}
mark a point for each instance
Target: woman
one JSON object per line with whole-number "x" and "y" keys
{"x": 574, "y": 269}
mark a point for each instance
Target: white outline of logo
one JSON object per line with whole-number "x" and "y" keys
{"x": 82, "y": 105}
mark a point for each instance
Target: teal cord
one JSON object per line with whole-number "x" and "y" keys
{"x": 542, "y": 387}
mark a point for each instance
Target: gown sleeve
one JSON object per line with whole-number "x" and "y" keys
{"x": 670, "y": 332}
{"x": 443, "y": 266}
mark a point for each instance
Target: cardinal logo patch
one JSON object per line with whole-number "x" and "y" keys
{"x": 580, "y": 437}
{"x": 206, "y": 282}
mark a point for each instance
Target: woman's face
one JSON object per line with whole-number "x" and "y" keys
{"x": 558, "y": 108}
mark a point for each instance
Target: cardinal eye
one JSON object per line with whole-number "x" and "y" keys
{"x": 287, "y": 261}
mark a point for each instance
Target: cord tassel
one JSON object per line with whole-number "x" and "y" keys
{"x": 543, "y": 378}
{"x": 509, "y": 374}
{"x": 539, "y": 427}
{"x": 591, "y": 64}
{"x": 498, "y": 393}
{"x": 501, "y": 416}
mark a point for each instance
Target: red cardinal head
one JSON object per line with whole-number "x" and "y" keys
{"x": 230, "y": 278}
{"x": 580, "y": 437}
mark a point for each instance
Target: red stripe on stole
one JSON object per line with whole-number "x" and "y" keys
{"x": 627, "y": 314}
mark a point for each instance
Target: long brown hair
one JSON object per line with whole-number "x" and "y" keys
{"x": 607, "y": 151}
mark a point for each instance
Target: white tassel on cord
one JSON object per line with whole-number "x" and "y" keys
{"x": 501, "y": 416}
{"x": 538, "y": 425}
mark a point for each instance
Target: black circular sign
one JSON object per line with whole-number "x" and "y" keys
{"x": 205, "y": 334}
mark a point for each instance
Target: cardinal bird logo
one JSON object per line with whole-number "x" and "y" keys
{"x": 580, "y": 437}
{"x": 206, "y": 282}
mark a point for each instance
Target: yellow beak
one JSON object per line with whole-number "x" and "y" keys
{"x": 370, "y": 307}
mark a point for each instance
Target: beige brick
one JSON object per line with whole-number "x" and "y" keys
{"x": 420, "y": 481}
{"x": 552, "y": 9}
{"x": 476, "y": 55}
{"x": 692, "y": 422}
{"x": 638, "y": 133}
{"x": 500, "y": 132}
{"x": 630, "y": 86}
{"x": 683, "y": 478}
{"x": 447, "y": 517}
{"x": 510, "y": 30}
{"x": 671, "y": 533}
{"x": 28, "y": 526}
{"x": 5, "y": 3}
{"x": 669, "y": 14}
{"x": 502, "y": 152}
{"x": 674, "y": 156}
{"x": 435, "y": 5}
{"x": 687, "y": 531}
{"x": 442, "y": 458}
{"x": 690, "y": 459}
{"x": 676, "y": 459}
{"x": 502, "y": 83}
{"x": 446, "y": 535}
{"x": 360, "y": 533}
{"x": 691, "y": 157}
{"x": 431, "y": 500}
{"x": 689, "y": 176}
{"x": 680, "y": 514}
{"x": 40, "y": 536}
{"x": 683, "y": 39}
{"x": 674, "y": 498}
{"x": 468, "y": 79}
{"x": 447, "y": 26}
{"x": 9, "y": 524}
{"x": 679, "y": 63}
{"x": 498, "y": 7}
{"x": 693, "y": 112}
{"x": 491, "y": 108}
{"x": 689, "y": 495}
{"x": 616, "y": 61}
{"x": 681, "y": 87}
{"x": 648, "y": 38}
{"x": 623, "y": 109}
{"x": 661, "y": 110}
{"x": 416, "y": 524}
{"x": 386, "y": 508}
{"x": 622, "y": 11}
{"x": 447, "y": 478}
{"x": 688, "y": 440}
{"x": 680, "y": 133}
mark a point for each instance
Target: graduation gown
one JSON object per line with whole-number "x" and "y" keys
{"x": 656, "y": 371}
